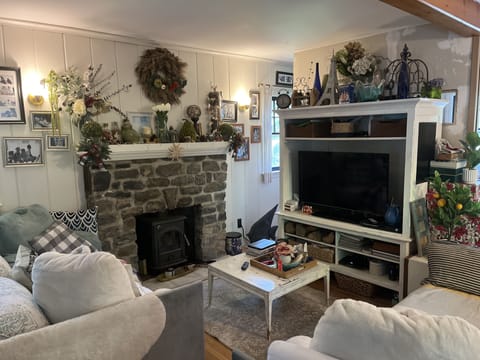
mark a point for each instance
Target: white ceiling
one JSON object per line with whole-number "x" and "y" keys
{"x": 270, "y": 29}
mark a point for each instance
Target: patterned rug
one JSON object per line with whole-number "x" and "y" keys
{"x": 237, "y": 318}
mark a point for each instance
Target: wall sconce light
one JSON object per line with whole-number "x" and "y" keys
{"x": 35, "y": 100}
{"x": 36, "y": 89}
{"x": 243, "y": 100}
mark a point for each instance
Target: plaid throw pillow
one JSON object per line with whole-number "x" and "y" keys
{"x": 58, "y": 237}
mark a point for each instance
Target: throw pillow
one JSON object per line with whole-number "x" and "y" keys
{"x": 70, "y": 285}
{"x": 22, "y": 269}
{"x": 18, "y": 311}
{"x": 4, "y": 268}
{"x": 357, "y": 330}
{"x": 58, "y": 237}
{"x": 454, "y": 266}
{"x": 21, "y": 225}
{"x": 81, "y": 220}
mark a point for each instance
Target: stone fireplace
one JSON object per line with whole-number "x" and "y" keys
{"x": 141, "y": 179}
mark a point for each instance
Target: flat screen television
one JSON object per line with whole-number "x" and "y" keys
{"x": 344, "y": 186}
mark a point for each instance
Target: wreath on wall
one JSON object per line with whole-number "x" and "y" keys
{"x": 161, "y": 76}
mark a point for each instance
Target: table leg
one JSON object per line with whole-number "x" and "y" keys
{"x": 210, "y": 288}
{"x": 268, "y": 316}
{"x": 326, "y": 285}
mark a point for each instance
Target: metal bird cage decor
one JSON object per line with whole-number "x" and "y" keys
{"x": 405, "y": 77}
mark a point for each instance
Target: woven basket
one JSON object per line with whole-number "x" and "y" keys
{"x": 322, "y": 253}
{"x": 356, "y": 286}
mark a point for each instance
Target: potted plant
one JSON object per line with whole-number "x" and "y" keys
{"x": 471, "y": 144}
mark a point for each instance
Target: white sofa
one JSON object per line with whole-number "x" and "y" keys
{"x": 440, "y": 320}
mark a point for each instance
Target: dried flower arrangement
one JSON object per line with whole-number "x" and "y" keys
{"x": 355, "y": 63}
{"x": 82, "y": 97}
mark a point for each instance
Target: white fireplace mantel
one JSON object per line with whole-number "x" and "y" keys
{"x": 156, "y": 151}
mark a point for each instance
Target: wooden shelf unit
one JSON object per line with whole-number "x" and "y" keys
{"x": 409, "y": 155}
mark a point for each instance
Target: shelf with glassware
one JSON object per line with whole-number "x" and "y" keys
{"x": 408, "y": 131}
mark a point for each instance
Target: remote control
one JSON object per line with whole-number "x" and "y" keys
{"x": 245, "y": 265}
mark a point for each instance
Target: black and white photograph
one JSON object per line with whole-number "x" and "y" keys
{"x": 11, "y": 101}
{"x": 41, "y": 120}
{"x": 283, "y": 78}
{"x": 229, "y": 110}
{"x": 254, "y": 105}
{"x": 57, "y": 143}
{"x": 23, "y": 151}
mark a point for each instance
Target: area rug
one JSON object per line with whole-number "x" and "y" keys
{"x": 237, "y": 318}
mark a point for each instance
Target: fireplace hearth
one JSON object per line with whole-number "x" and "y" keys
{"x": 131, "y": 188}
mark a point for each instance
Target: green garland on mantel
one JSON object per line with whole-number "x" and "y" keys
{"x": 161, "y": 76}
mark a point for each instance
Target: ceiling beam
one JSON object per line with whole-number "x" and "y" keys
{"x": 459, "y": 16}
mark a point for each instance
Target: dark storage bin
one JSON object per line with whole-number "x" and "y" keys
{"x": 309, "y": 129}
{"x": 388, "y": 128}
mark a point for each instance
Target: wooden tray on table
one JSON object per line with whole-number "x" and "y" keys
{"x": 258, "y": 263}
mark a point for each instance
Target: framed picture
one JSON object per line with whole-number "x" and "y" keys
{"x": 239, "y": 128}
{"x": 41, "y": 120}
{"x": 140, "y": 121}
{"x": 418, "y": 209}
{"x": 243, "y": 152}
{"x": 57, "y": 143}
{"x": 450, "y": 109}
{"x": 256, "y": 134}
{"x": 283, "y": 78}
{"x": 229, "y": 110}
{"x": 254, "y": 105}
{"x": 22, "y": 151}
{"x": 11, "y": 100}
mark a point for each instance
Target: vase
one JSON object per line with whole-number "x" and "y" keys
{"x": 403, "y": 86}
{"x": 162, "y": 131}
{"x": 368, "y": 91}
{"x": 470, "y": 176}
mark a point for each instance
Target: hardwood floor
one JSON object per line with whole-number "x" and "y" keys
{"x": 215, "y": 350}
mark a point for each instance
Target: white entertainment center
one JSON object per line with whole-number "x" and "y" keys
{"x": 415, "y": 124}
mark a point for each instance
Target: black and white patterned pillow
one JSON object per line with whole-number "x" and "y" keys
{"x": 81, "y": 220}
{"x": 454, "y": 266}
{"x": 58, "y": 237}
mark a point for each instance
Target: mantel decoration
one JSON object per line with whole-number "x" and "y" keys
{"x": 82, "y": 97}
{"x": 161, "y": 119}
{"x": 355, "y": 64}
{"x": 405, "y": 77}
{"x": 452, "y": 208}
{"x": 161, "y": 76}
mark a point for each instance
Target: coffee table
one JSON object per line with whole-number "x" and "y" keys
{"x": 262, "y": 283}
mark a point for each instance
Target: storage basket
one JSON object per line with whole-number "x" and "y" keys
{"x": 388, "y": 128}
{"x": 308, "y": 129}
{"x": 342, "y": 128}
{"x": 321, "y": 253}
{"x": 356, "y": 286}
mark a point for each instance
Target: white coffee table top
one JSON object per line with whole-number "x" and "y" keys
{"x": 230, "y": 267}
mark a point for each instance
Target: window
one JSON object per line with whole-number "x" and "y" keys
{"x": 275, "y": 136}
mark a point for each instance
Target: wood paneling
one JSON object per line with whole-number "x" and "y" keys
{"x": 461, "y": 17}
{"x": 59, "y": 184}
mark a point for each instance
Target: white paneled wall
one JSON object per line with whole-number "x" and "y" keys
{"x": 59, "y": 184}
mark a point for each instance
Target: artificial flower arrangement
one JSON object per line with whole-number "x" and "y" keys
{"x": 82, "y": 97}
{"x": 161, "y": 118}
{"x": 453, "y": 210}
{"x": 433, "y": 88}
{"x": 355, "y": 63}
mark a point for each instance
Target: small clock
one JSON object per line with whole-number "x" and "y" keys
{"x": 283, "y": 101}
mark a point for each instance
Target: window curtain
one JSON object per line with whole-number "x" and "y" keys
{"x": 266, "y": 113}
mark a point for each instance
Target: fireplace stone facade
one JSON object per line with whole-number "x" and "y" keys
{"x": 133, "y": 187}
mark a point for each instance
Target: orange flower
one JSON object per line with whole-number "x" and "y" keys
{"x": 441, "y": 202}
